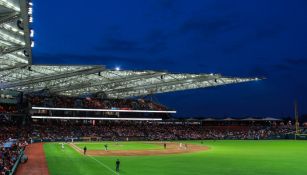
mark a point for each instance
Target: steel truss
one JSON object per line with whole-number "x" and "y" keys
{"x": 15, "y": 40}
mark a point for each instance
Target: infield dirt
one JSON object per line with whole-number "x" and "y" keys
{"x": 171, "y": 148}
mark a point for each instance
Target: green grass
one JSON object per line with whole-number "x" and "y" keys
{"x": 224, "y": 158}
{"x": 119, "y": 145}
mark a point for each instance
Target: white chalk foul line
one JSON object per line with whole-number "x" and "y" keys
{"x": 80, "y": 151}
{"x": 76, "y": 148}
{"x": 107, "y": 167}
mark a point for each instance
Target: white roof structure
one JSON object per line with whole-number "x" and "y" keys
{"x": 251, "y": 119}
{"x": 271, "y": 119}
{"x": 229, "y": 119}
{"x": 18, "y": 73}
{"x": 15, "y": 40}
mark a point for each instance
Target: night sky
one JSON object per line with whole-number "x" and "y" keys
{"x": 263, "y": 38}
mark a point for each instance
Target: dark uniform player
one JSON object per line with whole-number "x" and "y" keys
{"x": 106, "y": 147}
{"x": 164, "y": 145}
{"x": 117, "y": 165}
{"x": 84, "y": 150}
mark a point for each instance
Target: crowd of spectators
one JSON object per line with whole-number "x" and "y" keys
{"x": 95, "y": 103}
{"x": 9, "y": 154}
{"x": 154, "y": 131}
{"x": 7, "y": 108}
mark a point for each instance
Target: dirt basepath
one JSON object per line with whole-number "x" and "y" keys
{"x": 36, "y": 164}
{"x": 171, "y": 148}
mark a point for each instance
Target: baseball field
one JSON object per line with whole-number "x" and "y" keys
{"x": 199, "y": 158}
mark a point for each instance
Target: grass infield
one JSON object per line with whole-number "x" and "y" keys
{"x": 223, "y": 158}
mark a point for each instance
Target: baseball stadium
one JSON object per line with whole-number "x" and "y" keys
{"x": 90, "y": 119}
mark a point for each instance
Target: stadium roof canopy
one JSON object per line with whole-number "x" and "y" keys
{"x": 18, "y": 73}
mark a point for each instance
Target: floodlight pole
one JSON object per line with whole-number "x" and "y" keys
{"x": 296, "y": 119}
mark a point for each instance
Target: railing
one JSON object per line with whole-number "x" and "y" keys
{"x": 17, "y": 162}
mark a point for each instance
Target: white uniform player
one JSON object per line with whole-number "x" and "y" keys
{"x": 62, "y": 145}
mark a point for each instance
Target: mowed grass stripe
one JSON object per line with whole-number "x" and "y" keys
{"x": 224, "y": 158}
{"x": 70, "y": 162}
{"x": 101, "y": 163}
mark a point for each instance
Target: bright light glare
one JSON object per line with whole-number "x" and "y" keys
{"x": 32, "y": 44}
{"x": 101, "y": 110}
{"x": 32, "y": 33}
{"x": 117, "y": 68}
{"x": 94, "y": 118}
{"x": 30, "y": 11}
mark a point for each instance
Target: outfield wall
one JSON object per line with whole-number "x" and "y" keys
{"x": 77, "y": 139}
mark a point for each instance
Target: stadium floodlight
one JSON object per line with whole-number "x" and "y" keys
{"x": 102, "y": 110}
{"x": 31, "y": 33}
{"x": 117, "y": 68}
{"x": 30, "y": 11}
{"x": 32, "y": 43}
{"x": 94, "y": 118}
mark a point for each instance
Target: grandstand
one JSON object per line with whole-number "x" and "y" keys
{"x": 94, "y": 107}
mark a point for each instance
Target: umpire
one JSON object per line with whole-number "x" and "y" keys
{"x": 117, "y": 165}
{"x": 84, "y": 150}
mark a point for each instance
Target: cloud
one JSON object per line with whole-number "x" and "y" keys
{"x": 259, "y": 71}
{"x": 83, "y": 59}
{"x": 208, "y": 26}
{"x": 234, "y": 46}
{"x": 156, "y": 35}
{"x": 296, "y": 61}
{"x": 119, "y": 45}
{"x": 108, "y": 60}
{"x": 268, "y": 31}
{"x": 166, "y": 4}
{"x": 289, "y": 65}
{"x": 157, "y": 41}
{"x": 281, "y": 67}
{"x": 154, "y": 42}
{"x": 257, "y": 34}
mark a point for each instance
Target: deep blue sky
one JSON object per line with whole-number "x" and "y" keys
{"x": 236, "y": 38}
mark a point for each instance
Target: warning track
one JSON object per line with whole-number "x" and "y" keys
{"x": 36, "y": 164}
